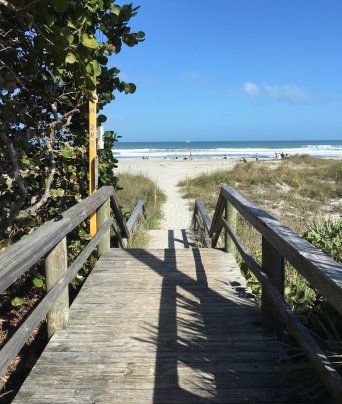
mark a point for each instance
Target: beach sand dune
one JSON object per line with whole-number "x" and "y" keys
{"x": 167, "y": 174}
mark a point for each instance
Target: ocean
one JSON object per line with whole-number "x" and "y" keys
{"x": 220, "y": 149}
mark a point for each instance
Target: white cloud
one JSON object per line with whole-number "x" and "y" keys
{"x": 250, "y": 88}
{"x": 288, "y": 92}
{"x": 282, "y": 93}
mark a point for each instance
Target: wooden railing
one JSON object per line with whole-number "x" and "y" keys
{"x": 279, "y": 243}
{"x": 49, "y": 242}
{"x": 201, "y": 223}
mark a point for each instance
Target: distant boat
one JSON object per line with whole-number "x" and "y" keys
{"x": 188, "y": 141}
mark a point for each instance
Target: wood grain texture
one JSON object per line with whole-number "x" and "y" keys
{"x": 56, "y": 265}
{"x": 137, "y": 211}
{"x": 102, "y": 215}
{"x": 273, "y": 266}
{"x": 162, "y": 326}
{"x": 320, "y": 270}
{"x": 16, "y": 342}
{"x": 320, "y": 362}
{"x": 204, "y": 215}
{"x": 19, "y": 257}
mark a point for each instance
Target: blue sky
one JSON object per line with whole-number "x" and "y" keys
{"x": 232, "y": 70}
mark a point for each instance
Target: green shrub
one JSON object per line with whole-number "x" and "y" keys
{"x": 327, "y": 236}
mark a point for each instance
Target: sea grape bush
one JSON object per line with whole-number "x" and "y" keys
{"x": 53, "y": 54}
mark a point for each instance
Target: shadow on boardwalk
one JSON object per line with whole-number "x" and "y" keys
{"x": 209, "y": 347}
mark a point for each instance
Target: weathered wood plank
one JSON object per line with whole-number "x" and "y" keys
{"x": 204, "y": 215}
{"x": 137, "y": 211}
{"x": 12, "y": 347}
{"x": 56, "y": 265}
{"x": 103, "y": 214}
{"x": 162, "y": 329}
{"x": 320, "y": 361}
{"x": 273, "y": 266}
{"x": 320, "y": 270}
{"x": 19, "y": 257}
{"x": 232, "y": 219}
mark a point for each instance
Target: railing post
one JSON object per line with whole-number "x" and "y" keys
{"x": 56, "y": 264}
{"x": 231, "y": 219}
{"x": 194, "y": 218}
{"x": 273, "y": 266}
{"x": 103, "y": 214}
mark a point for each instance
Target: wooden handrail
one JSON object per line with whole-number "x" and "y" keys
{"x": 201, "y": 221}
{"x": 320, "y": 270}
{"x": 14, "y": 345}
{"x": 138, "y": 209}
{"x": 20, "y": 257}
{"x": 279, "y": 243}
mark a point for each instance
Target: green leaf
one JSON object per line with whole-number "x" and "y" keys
{"x": 111, "y": 48}
{"x": 17, "y": 301}
{"x": 103, "y": 60}
{"x": 60, "y": 5}
{"x": 26, "y": 162}
{"x": 67, "y": 153}
{"x": 70, "y": 24}
{"x": 130, "y": 88}
{"x": 50, "y": 19}
{"x": 102, "y": 118}
{"x": 89, "y": 68}
{"x": 97, "y": 68}
{"x": 67, "y": 33}
{"x": 89, "y": 41}
{"x": 70, "y": 58}
{"x": 115, "y": 10}
{"x": 287, "y": 290}
{"x": 38, "y": 282}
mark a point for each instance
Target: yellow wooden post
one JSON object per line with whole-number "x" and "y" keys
{"x": 92, "y": 156}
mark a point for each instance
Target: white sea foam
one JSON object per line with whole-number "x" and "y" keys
{"x": 333, "y": 151}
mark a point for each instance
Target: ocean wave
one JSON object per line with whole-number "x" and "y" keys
{"x": 154, "y": 153}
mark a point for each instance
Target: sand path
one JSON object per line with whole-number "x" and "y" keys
{"x": 167, "y": 174}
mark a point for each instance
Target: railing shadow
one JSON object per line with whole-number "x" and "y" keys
{"x": 196, "y": 338}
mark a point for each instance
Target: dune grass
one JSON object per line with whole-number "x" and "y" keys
{"x": 295, "y": 190}
{"x": 135, "y": 187}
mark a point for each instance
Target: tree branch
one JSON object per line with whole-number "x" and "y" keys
{"x": 33, "y": 3}
{"x": 17, "y": 178}
{"x": 66, "y": 117}
{"x": 46, "y": 195}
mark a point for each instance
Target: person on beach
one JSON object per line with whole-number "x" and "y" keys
{"x": 256, "y": 157}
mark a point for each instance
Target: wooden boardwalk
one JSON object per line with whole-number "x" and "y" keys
{"x": 162, "y": 326}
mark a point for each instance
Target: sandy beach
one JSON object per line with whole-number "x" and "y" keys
{"x": 167, "y": 173}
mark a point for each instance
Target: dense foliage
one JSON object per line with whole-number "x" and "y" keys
{"x": 327, "y": 236}
{"x": 53, "y": 55}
